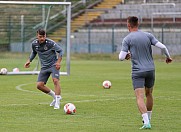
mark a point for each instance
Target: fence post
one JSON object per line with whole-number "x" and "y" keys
{"x": 113, "y": 27}
{"x": 162, "y": 36}
{"x": 9, "y": 27}
{"x": 163, "y": 33}
{"x": 89, "y": 39}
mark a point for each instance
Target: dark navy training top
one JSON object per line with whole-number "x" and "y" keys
{"x": 47, "y": 52}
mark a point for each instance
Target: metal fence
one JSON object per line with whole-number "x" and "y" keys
{"x": 102, "y": 35}
{"x": 108, "y": 40}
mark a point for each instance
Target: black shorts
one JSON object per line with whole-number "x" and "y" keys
{"x": 45, "y": 74}
{"x": 143, "y": 79}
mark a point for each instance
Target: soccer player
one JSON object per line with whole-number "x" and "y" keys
{"x": 50, "y": 55}
{"x": 137, "y": 46}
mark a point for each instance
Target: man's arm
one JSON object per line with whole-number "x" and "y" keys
{"x": 32, "y": 56}
{"x": 58, "y": 63}
{"x": 124, "y": 55}
{"x": 165, "y": 51}
{"x": 59, "y": 50}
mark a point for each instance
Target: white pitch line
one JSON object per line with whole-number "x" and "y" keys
{"x": 19, "y": 87}
{"x": 78, "y": 101}
{"x": 83, "y": 101}
{"x": 14, "y": 105}
{"x": 93, "y": 100}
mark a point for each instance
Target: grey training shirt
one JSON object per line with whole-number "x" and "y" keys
{"x": 47, "y": 52}
{"x": 139, "y": 44}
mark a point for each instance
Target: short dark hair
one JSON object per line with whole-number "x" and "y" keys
{"x": 41, "y": 32}
{"x": 133, "y": 21}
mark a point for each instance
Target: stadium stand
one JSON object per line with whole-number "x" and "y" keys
{"x": 100, "y": 25}
{"x": 86, "y": 16}
{"x": 163, "y": 19}
{"x": 150, "y": 1}
{"x": 32, "y": 17}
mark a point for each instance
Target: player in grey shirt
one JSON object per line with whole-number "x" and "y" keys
{"x": 139, "y": 43}
{"x": 50, "y": 55}
{"x": 137, "y": 46}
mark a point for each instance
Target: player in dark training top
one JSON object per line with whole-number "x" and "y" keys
{"x": 50, "y": 55}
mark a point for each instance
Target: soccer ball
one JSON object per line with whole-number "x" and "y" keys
{"x": 16, "y": 70}
{"x": 4, "y": 71}
{"x": 106, "y": 84}
{"x": 69, "y": 108}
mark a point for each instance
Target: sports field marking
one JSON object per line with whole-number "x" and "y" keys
{"x": 14, "y": 105}
{"x": 78, "y": 101}
{"x": 93, "y": 100}
{"x": 19, "y": 87}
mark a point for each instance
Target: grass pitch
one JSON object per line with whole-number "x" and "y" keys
{"x": 23, "y": 108}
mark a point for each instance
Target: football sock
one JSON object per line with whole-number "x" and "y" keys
{"x": 57, "y": 101}
{"x": 145, "y": 118}
{"x": 58, "y": 98}
{"x": 51, "y": 93}
{"x": 149, "y": 114}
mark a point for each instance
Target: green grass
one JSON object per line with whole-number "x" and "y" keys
{"x": 98, "y": 109}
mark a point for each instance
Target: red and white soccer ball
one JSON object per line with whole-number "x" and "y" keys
{"x": 4, "y": 71}
{"x": 69, "y": 108}
{"x": 16, "y": 70}
{"x": 106, "y": 84}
